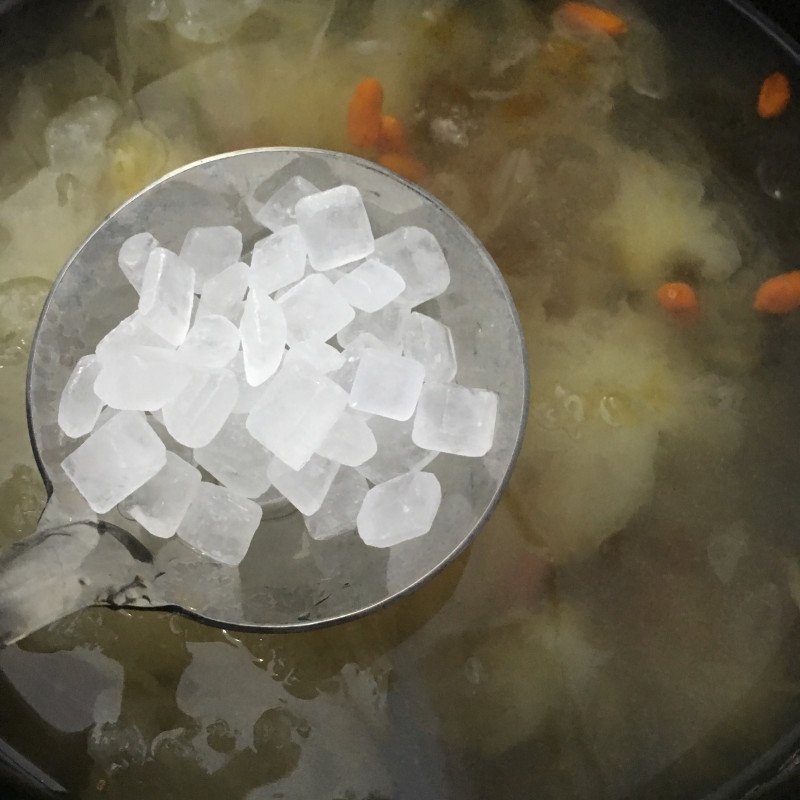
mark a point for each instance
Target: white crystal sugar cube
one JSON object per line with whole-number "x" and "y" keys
{"x": 224, "y": 293}
{"x": 80, "y": 407}
{"x": 455, "y": 419}
{"x": 211, "y": 343}
{"x": 198, "y": 413}
{"x": 278, "y": 260}
{"x": 400, "y": 509}
{"x": 210, "y": 250}
{"x": 279, "y": 210}
{"x": 167, "y": 297}
{"x": 305, "y": 488}
{"x": 417, "y": 256}
{"x": 115, "y": 460}
{"x": 396, "y": 453}
{"x": 263, "y": 332}
{"x": 370, "y": 286}
{"x": 296, "y": 412}
{"x": 236, "y": 459}
{"x": 220, "y": 524}
{"x": 350, "y": 442}
{"x": 387, "y": 384}
{"x": 133, "y": 256}
{"x": 319, "y": 355}
{"x": 431, "y": 343}
{"x": 335, "y": 227}
{"x": 341, "y": 505}
{"x": 161, "y": 503}
{"x": 314, "y": 310}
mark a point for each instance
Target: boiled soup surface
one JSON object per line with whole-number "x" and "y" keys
{"x": 619, "y": 627}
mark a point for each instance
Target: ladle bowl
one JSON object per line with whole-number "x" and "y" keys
{"x": 287, "y": 580}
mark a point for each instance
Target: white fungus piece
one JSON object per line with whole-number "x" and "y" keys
{"x": 115, "y": 460}
{"x": 131, "y": 332}
{"x": 263, "y": 333}
{"x": 350, "y": 441}
{"x": 198, "y": 413}
{"x": 279, "y": 210}
{"x": 133, "y": 256}
{"x": 386, "y": 325}
{"x": 418, "y": 257}
{"x": 306, "y": 487}
{"x": 455, "y": 419}
{"x": 211, "y": 343}
{"x": 370, "y": 286}
{"x": 335, "y": 227}
{"x": 210, "y": 250}
{"x": 80, "y": 407}
{"x": 314, "y": 310}
{"x": 220, "y": 524}
{"x": 76, "y": 138}
{"x": 167, "y": 297}
{"x": 236, "y": 459}
{"x": 431, "y": 343}
{"x": 224, "y": 293}
{"x": 341, "y": 505}
{"x": 319, "y": 355}
{"x": 387, "y": 384}
{"x": 161, "y": 503}
{"x": 141, "y": 379}
{"x": 278, "y": 260}
{"x": 396, "y": 453}
{"x": 297, "y": 410}
{"x": 400, "y": 509}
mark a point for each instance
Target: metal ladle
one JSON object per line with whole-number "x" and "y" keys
{"x": 287, "y": 581}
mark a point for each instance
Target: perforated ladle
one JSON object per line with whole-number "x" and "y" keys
{"x": 287, "y": 581}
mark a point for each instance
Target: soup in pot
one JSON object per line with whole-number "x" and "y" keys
{"x": 624, "y": 625}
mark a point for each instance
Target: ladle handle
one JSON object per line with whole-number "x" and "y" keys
{"x": 57, "y": 571}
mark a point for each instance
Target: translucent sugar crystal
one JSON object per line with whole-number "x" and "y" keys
{"x": 430, "y": 342}
{"x": 236, "y": 459}
{"x": 210, "y": 250}
{"x": 296, "y": 412}
{"x": 133, "y": 256}
{"x": 167, "y": 297}
{"x": 387, "y": 384}
{"x": 350, "y": 442}
{"x": 161, "y": 503}
{"x": 263, "y": 332}
{"x": 400, "y": 509}
{"x": 80, "y": 407}
{"x": 319, "y": 355}
{"x": 386, "y": 325}
{"x": 314, "y": 310}
{"x": 341, "y": 505}
{"x": 115, "y": 460}
{"x": 370, "y": 286}
{"x": 131, "y": 332}
{"x": 224, "y": 293}
{"x": 141, "y": 379}
{"x": 279, "y": 210}
{"x": 198, "y": 413}
{"x": 278, "y": 261}
{"x": 211, "y": 343}
{"x": 416, "y": 255}
{"x": 220, "y": 524}
{"x": 455, "y": 419}
{"x": 351, "y": 355}
{"x": 335, "y": 227}
{"x": 396, "y": 452}
{"x": 247, "y": 394}
{"x": 305, "y": 488}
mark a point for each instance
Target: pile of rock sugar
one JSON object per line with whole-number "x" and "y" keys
{"x": 305, "y": 373}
